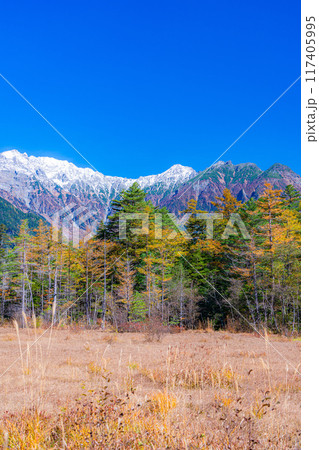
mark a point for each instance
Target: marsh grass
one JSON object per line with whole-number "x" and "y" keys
{"x": 97, "y": 390}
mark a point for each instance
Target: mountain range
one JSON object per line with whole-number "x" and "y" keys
{"x": 45, "y": 186}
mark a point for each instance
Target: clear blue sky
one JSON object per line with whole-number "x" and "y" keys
{"x": 138, "y": 86}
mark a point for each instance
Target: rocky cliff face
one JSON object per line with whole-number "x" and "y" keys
{"x": 47, "y": 185}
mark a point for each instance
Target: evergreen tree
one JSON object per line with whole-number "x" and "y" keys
{"x": 292, "y": 197}
{"x": 130, "y": 202}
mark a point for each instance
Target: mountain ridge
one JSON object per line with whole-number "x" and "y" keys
{"x": 46, "y": 185}
{"x": 245, "y": 181}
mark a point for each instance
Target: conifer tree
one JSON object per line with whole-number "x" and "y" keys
{"x": 227, "y": 204}
{"x": 130, "y": 202}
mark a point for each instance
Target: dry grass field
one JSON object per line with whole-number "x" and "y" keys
{"x": 192, "y": 390}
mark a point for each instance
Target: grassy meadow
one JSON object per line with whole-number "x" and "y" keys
{"x": 94, "y": 389}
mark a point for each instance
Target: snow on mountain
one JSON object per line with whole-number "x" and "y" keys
{"x": 47, "y": 185}
{"x": 45, "y": 169}
{"x": 44, "y": 184}
{"x": 65, "y": 174}
{"x": 175, "y": 175}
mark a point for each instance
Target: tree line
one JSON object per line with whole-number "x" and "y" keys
{"x": 164, "y": 276}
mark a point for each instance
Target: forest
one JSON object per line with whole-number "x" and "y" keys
{"x": 169, "y": 277}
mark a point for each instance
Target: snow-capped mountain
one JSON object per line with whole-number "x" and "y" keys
{"x": 66, "y": 174}
{"x": 45, "y": 185}
{"x": 48, "y": 186}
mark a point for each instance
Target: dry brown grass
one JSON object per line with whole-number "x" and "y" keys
{"x": 95, "y": 389}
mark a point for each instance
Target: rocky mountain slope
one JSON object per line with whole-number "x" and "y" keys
{"x": 47, "y": 186}
{"x": 243, "y": 180}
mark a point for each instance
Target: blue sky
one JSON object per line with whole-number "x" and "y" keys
{"x": 137, "y": 86}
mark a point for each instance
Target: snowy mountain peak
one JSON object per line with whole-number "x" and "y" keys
{"x": 54, "y": 172}
{"x": 179, "y": 169}
{"x": 11, "y": 154}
